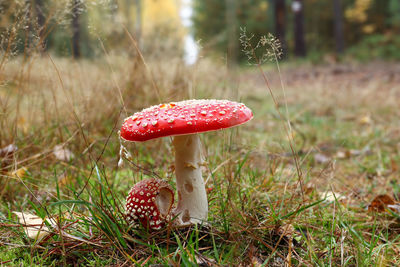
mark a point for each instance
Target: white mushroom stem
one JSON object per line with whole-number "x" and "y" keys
{"x": 192, "y": 198}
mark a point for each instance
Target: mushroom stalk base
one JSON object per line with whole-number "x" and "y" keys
{"x": 192, "y": 198}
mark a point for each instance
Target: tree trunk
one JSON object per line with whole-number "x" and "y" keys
{"x": 76, "y": 31}
{"x": 338, "y": 25}
{"x": 280, "y": 24}
{"x": 299, "y": 43}
{"x": 231, "y": 28}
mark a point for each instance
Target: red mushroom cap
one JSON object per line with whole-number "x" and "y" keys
{"x": 185, "y": 117}
{"x": 150, "y": 202}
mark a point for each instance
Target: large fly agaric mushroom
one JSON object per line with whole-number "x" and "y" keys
{"x": 184, "y": 120}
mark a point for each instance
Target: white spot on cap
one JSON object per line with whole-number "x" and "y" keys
{"x": 144, "y": 124}
{"x": 171, "y": 121}
{"x": 222, "y": 112}
{"x": 189, "y": 123}
{"x": 154, "y": 123}
{"x": 203, "y": 112}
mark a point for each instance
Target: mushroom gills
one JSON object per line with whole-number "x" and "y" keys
{"x": 164, "y": 201}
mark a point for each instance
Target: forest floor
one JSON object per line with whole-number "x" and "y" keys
{"x": 322, "y": 190}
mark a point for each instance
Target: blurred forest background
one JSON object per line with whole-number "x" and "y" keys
{"x": 314, "y": 29}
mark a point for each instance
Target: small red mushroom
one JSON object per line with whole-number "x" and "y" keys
{"x": 149, "y": 202}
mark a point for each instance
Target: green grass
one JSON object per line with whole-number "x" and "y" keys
{"x": 254, "y": 188}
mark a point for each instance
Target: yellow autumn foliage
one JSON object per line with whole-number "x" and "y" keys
{"x": 358, "y": 13}
{"x": 263, "y": 6}
{"x": 369, "y": 28}
{"x": 157, "y": 13}
{"x": 162, "y": 29}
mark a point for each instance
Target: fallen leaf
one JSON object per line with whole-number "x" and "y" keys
{"x": 354, "y": 152}
{"x": 8, "y": 150}
{"x": 34, "y": 226}
{"x": 321, "y": 158}
{"x": 394, "y": 207}
{"x": 329, "y": 196}
{"x": 366, "y": 119}
{"x": 62, "y": 153}
{"x": 20, "y": 173}
{"x": 380, "y": 203}
{"x": 202, "y": 260}
{"x": 286, "y": 231}
{"x": 64, "y": 179}
{"x": 6, "y": 155}
{"x": 342, "y": 154}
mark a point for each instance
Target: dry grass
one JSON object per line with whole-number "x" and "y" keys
{"x": 345, "y": 129}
